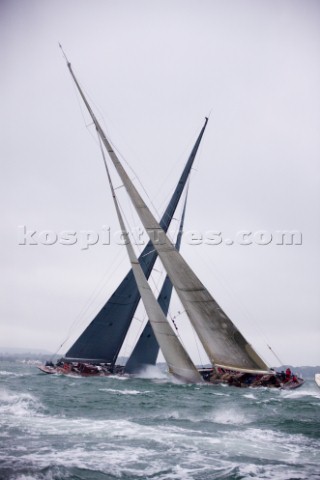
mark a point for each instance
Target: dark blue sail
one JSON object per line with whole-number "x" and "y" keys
{"x": 147, "y": 348}
{"x": 102, "y": 340}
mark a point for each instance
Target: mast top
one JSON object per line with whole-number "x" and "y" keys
{"x": 65, "y": 56}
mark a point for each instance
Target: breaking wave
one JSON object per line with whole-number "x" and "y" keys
{"x": 103, "y": 429}
{"x": 19, "y": 404}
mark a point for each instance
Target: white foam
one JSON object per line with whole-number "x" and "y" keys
{"x": 41, "y": 476}
{"x": 118, "y": 449}
{"x": 24, "y": 477}
{"x": 5, "y": 373}
{"x": 124, "y": 448}
{"x": 19, "y": 404}
{"x": 249, "y": 395}
{"x": 269, "y": 471}
{"x": 272, "y": 446}
{"x": 124, "y": 392}
{"x": 151, "y": 372}
{"x": 174, "y": 415}
{"x": 230, "y": 416}
{"x": 302, "y": 392}
{"x": 110, "y": 461}
{"x": 118, "y": 377}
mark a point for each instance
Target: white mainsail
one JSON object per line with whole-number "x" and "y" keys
{"x": 222, "y": 341}
{"x": 179, "y": 363}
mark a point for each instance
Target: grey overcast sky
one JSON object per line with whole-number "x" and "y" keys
{"x": 153, "y": 70}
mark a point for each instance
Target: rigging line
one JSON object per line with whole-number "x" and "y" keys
{"x": 92, "y": 102}
{"x": 87, "y": 126}
{"x": 103, "y": 113}
{"x": 84, "y": 89}
{"x": 80, "y": 106}
{"x": 181, "y": 227}
{"x": 117, "y": 198}
{"x": 142, "y": 322}
{"x": 78, "y": 320}
{"x": 169, "y": 194}
{"x": 129, "y": 230}
{"x": 189, "y": 176}
{"x": 126, "y": 344}
{"x": 187, "y": 149}
{"x": 92, "y": 123}
{"x": 169, "y": 313}
{"x": 136, "y": 176}
{"x": 113, "y": 192}
{"x": 137, "y": 155}
{"x": 276, "y": 356}
{"x": 231, "y": 293}
{"x": 135, "y": 227}
{"x": 113, "y": 145}
{"x": 196, "y": 340}
{"x": 228, "y": 289}
{"x": 116, "y": 149}
{"x": 128, "y": 223}
{"x": 140, "y": 247}
{"x": 97, "y": 290}
{"x": 124, "y": 140}
{"x": 101, "y": 284}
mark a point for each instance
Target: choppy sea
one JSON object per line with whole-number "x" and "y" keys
{"x": 63, "y": 428}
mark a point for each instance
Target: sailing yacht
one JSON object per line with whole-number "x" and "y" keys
{"x": 233, "y": 359}
{"x": 100, "y": 343}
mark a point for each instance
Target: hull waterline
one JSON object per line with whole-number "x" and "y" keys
{"x": 235, "y": 380}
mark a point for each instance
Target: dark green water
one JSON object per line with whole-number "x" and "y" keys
{"x": 58, "y": 427}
